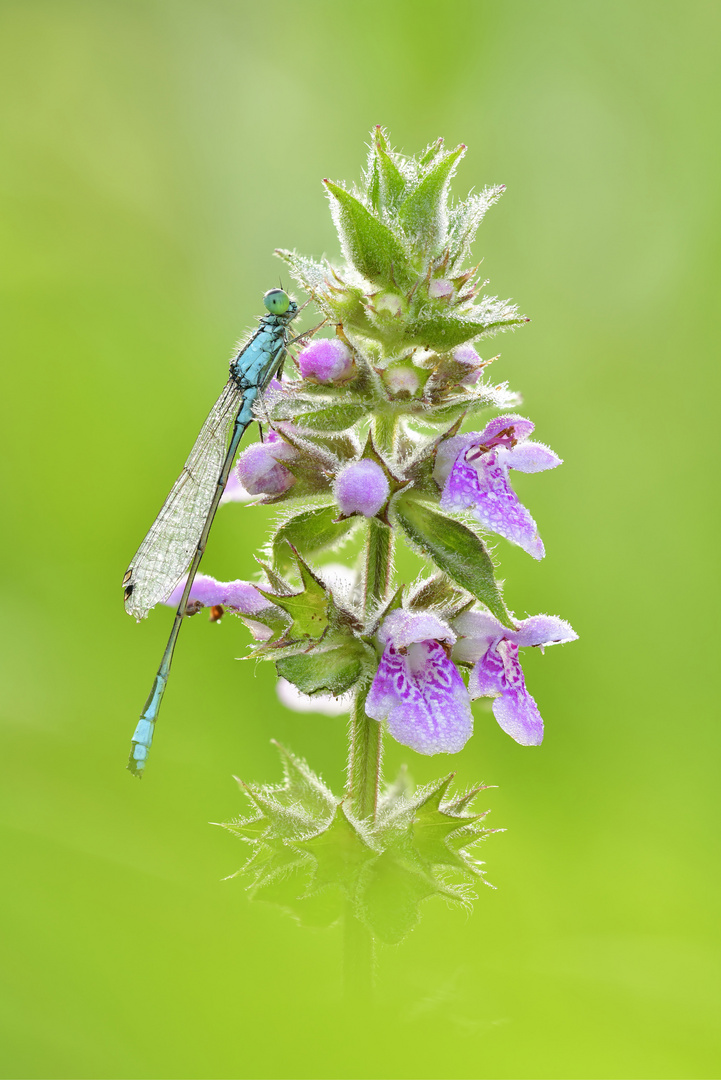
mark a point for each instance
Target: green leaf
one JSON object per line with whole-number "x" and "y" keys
{"x": 367, "y": 243}
{"x": 325, "y": 670}
{"x": 423, "y": 214}
{"x": 311, "y": 531}
{"x": 464, "y": 220}
{"x": 331, "y": 417}
{"x": 444, "y": 331}
{"x": 456, "y": 550}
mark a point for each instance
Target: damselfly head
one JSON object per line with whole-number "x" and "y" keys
{"x": 277, "y": 301}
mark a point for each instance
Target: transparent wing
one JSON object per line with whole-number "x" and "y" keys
{"x": 166, "y": 551}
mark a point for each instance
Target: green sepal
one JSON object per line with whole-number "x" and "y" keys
{"x": 437, "y": 591}
{"x": 367, "y": 243}
{"x": 456, "y": 550}
{"x": 331, "y": 670}
{"x": 311, "y": 531}
{"x": 308, "y": 609}
{"x": 423, "y": 213}
{"x": 275, "y": 581}
{"x": 431, "y": 152}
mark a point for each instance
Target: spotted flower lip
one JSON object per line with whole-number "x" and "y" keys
{"x": 493, "y": 650}
{"x": 417, "y": 689}
{"x": 472, "y": 471}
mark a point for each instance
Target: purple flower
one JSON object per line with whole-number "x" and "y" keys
{"x": 493, "y": 649}
{"x": 240, "y": 597}
{"x": 361, "y": 488}
{"x": 417, "y": 689}
{"x": 467, "y": 355}
{"x": 234, "y": 490}
{"x": 260, "y": 469}
{"x": 472, "y": 470}
{"x": 327, "y": 360}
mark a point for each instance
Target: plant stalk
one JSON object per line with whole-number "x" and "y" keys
{"x": 366, "y": 735}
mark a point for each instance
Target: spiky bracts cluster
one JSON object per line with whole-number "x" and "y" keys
{"x": 311, "y": 856}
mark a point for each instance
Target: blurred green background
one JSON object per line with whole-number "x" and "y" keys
{"x": 155, "y": 154}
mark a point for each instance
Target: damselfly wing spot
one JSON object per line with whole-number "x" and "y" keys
{"x": 128, "y": 575}
{"x": 276, "y": 301}
{"x": 129, "y": 592}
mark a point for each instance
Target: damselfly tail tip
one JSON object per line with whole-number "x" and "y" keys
{"x": 135, "y": 767}
{"x": 141, "y": 743}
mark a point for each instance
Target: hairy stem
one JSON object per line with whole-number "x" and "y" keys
{"x": 364, "y": 759}
{"x": 366, "y": 735}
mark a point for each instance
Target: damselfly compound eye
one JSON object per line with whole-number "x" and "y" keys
{"x": 277, "y": 301}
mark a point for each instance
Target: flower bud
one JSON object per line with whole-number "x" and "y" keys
{"x": 361, "y": 488}
{"x": 440, "y": 289}
{"x": 401, "y": 380}
{"x": 467, "y": 355}
{"x": 259, "y": 467}
{"x": 389, "y": 302}
{"x": 326, "y": 360}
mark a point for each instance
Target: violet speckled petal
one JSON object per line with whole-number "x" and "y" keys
{"x": 241, "y": 596}
{"x": 477, "y": 631}
{"x": 499, "y": 672}
{"x": 403, "y": 628}
{"x": 542, "y": 630}
{"x": 481, "y": 485}
{"x": 234, "y": 490}
{"x": 447, "y": 453}
{"x": 532, "y": 457}
{"x": 517, "y": 714}
{"x": 520, "y": 428}
{"x": 487, "y": 676}
{"x": 423, "y": 699}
